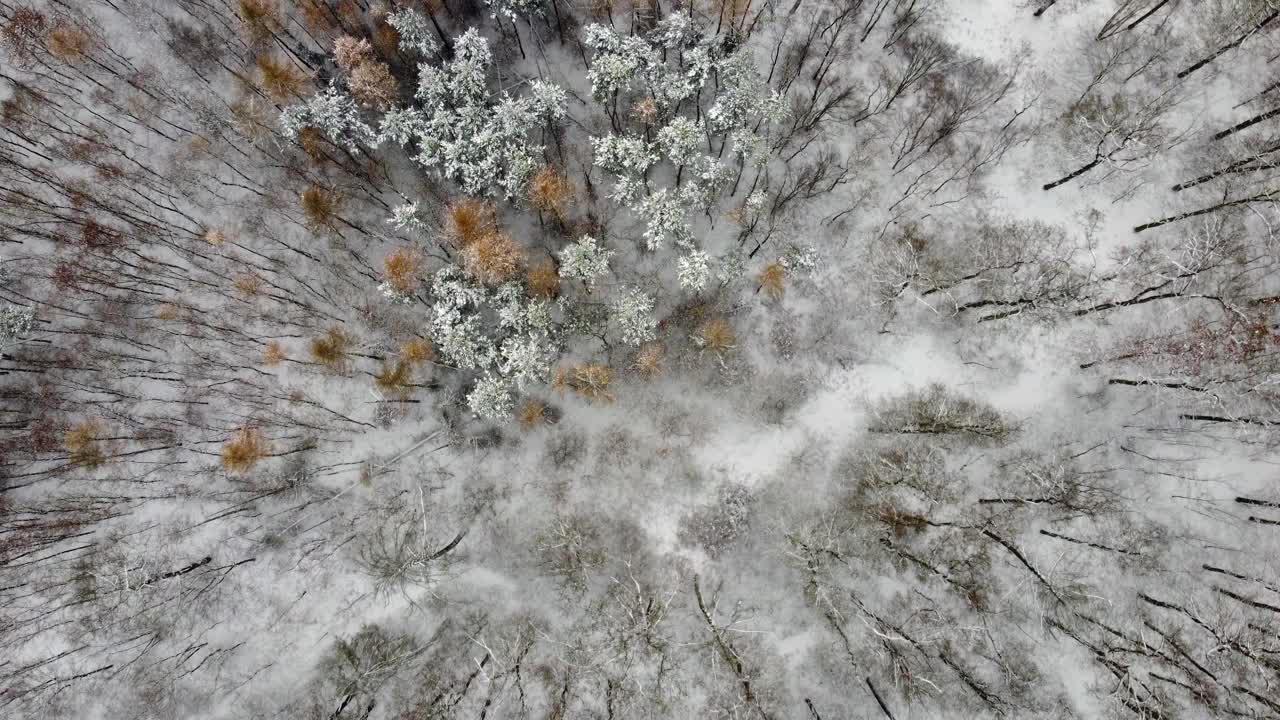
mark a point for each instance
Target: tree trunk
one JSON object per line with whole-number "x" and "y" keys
{"x": 1116, "y": 23}
{"x": 1206, "y": 211}
{"x": 1068, "y": 178}
{"x": 1229, "y": 46}
{"x": 1240, "y": 166}
{"x": 1247, "y": 123}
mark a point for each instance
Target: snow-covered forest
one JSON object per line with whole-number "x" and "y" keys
{"x": 634, "y": 359}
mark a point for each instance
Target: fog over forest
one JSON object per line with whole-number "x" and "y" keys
{"x": 639, "y": 359}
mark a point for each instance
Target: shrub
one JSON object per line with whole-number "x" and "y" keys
{"x": 279, "y": 77}
{"x": 320, "y": 206}
{"x": 330, "y": 349}
{"x": 648, "y": 362}
{"x": 551, "y": 191}
{"x": 467, "y": 220}
{"x": 22, "y": 34}
{"x": 350, "y": 52}
{"x": 394, "y": 376}
{"x": 42, "y": 438}
{"x": 716, "y": 335}
{"x": 493, "y": 258}
{"x": 590, "y": 380}
{"x": 773, "y": 280}
{"x": 533, "y": 413}
{"x": 97, "y": 236}
{"x": 315, "y": 15}
{"x": 351, "y": 12}
{"x": 273, "y": 354}
{"x": 247, "y": 284}
{"x": 372, "y": 84}
{"x": 260, "y": 17}
{"x": 244, "y": 450}
{"x": 543, "y": 280}
{"x": 83, "y": 447}
{"x": 386, "y": 40}
{"x": 417, "y": 351}
{"x": 935, "y": 410}
{"x": 68, "y": 42}
{"x": 645, "y": 111}
{"x": 312, "y": 142}
{"x": 401, "y": 270}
